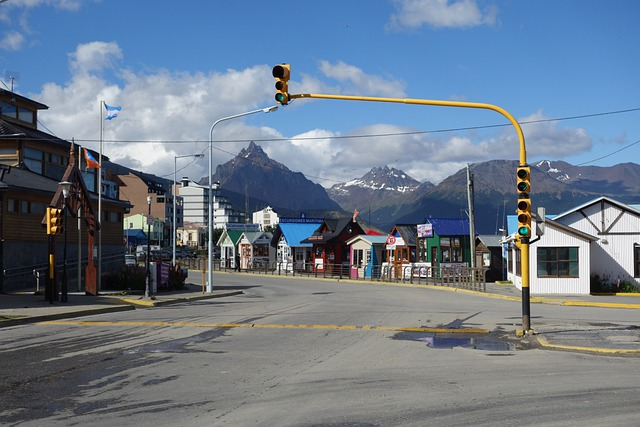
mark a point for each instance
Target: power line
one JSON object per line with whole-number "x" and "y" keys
{"x": 375, "y": 135}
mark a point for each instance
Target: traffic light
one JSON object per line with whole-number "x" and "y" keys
{"x": 281, "y": 74}
{"x": 523, "y": 187}
{"x": 524, "y": 217}
{"x": 54, "y": 221}
{"x": 523, "y": 178}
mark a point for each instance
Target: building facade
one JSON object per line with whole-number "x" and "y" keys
{"x": 33, "y": 164}
{"x": 266, "y": 217}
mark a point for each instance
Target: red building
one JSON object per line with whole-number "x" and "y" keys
{"x": 329, "y": 241}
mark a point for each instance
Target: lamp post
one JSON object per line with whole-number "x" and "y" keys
{"x": 175, "y": 190}
{"x": 65, "y": 186}
{"x": 148, "y": 279}
{"x": 210, "y": 202}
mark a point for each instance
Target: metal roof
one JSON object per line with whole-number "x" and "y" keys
{"x": 449, "y": 226}
{"x": 294, "y": 233}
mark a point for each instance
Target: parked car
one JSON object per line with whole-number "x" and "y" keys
{"x": 130, "y": 260}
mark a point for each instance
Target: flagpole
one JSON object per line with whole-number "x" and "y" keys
{"x": 79, "y": 157}
{"x": 100, "y": 203}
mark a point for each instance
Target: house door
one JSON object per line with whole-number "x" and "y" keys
{"x": 435, "y": 262}
{"x": 401, "y": 256}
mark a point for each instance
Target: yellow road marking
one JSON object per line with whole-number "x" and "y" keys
{"x": 267, "y": 326}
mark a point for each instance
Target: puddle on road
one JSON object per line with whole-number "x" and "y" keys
{"x": 448, "y": 341}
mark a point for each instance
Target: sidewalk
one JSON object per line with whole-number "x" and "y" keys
{"x": 28, "y": 307}
{"x": 24, "y": 308}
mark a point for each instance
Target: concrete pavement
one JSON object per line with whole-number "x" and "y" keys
{"x": 29, "y": 307}
{"x": 24, "y": 308}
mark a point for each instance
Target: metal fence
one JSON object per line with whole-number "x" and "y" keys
{"x": 456, "y": 277}
{"x": 35, "y": 276}
{"x": 461, "y": 277}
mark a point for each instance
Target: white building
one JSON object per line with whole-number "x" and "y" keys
{"x": 599, "y": 238}
{"x": 192, "y": 235}
{"x": 195, "y": 205}
{"x": 255, "y": 250}
{"x": 267, "y": 217}
{"x": 560, "y": 262}
{"x": 615, "y": 255}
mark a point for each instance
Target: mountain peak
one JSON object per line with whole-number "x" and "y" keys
{"x": 385, "y": 178}
{"x": 253, "y": 150}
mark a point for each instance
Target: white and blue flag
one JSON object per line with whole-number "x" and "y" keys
{"x": 112, "y": 112}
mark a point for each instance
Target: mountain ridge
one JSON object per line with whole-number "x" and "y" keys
{"x": 386, "y": 196}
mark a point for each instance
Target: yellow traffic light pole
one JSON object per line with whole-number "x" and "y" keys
{"x": 524, "y": 242}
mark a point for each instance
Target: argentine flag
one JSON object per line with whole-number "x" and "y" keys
{"x": 112, "y": 112}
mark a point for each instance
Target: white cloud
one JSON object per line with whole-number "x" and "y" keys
{"x": 176, "y": 108}
{"x": 357, "y": 81}
{"x": 546, "y": 140}
{"x": 412, "y": 14}
{"x": 95, "y": 56}
{"x": 166, "y": 113}
{"x": 12, "y": 41}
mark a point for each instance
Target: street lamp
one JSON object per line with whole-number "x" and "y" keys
{"x": 65, "y": 186}
{"x": 148, "y": 279}
{"x": 175, "y": 191}
{"x": 210, "y": 243}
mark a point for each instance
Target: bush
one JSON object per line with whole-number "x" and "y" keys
{"x": 176, "y": 278}
{"x": 604, "y": 284}
{"x": 627, "y": 287}
{"x": 128, "y": 278}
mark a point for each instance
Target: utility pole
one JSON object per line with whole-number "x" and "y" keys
{"x": 472, "y": 218}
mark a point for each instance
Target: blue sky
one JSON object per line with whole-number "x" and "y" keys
{"x": 177, "y": 67}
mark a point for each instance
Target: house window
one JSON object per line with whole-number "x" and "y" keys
{"x": 37, "y": 208}
{"x": 25, "y": 115}
{"x": 636, "y": 260}
{"x": 9, "y": 110}
{"x": 33, "y": 159}
{"x": 450, "y": 249}
{"x": 422, "y": 250}
{"x": 518, "y": 260}
{"x": 558, "y": 262}
{"x": 357, "y": 257}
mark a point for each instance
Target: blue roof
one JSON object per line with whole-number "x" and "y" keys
{"x": 294, "y": 233}
{"x": 449, "y": 227}
{"x": 512, "y": 222}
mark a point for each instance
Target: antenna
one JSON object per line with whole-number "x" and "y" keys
{"x": 11, "y": 77}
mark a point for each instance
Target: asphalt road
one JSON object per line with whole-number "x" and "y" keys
{"x": 314, "y": 353}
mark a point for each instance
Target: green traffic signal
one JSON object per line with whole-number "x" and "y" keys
{"x": 281, "y": 74}
{"x": 524, "y": 217}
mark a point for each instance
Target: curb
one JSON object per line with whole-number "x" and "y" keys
{"x": 546, "y": 344}
{"x": 16, "y": 321}
{"x": 160, "y": 303}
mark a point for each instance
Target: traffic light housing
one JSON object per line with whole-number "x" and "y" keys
{"x": 524, "y": 217}
{"x": 523, "y": 180}
{"x": 281, "y": 73}
{"x": 54, "y": 220}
